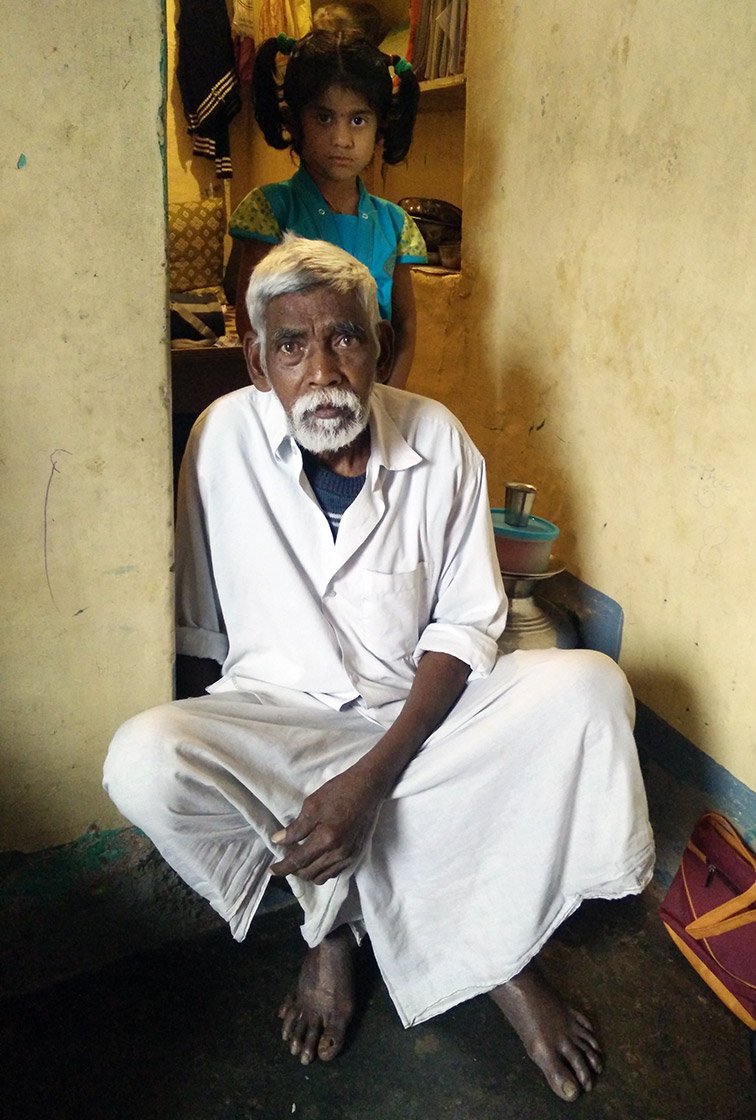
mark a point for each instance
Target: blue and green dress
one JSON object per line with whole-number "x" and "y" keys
{"x": 380, "y": 235}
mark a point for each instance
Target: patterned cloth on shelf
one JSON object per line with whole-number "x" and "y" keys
{"x": 195, "y": 244}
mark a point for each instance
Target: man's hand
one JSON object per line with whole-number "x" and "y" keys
{"x": 334, "y": 821}
{"x": 330, "y": 830}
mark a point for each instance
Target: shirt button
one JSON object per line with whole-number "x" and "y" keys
{"x": 364, "y": 216}
{"x": 321, "y": 211}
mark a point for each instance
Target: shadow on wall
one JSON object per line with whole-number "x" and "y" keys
{"x": 482, "y": 352}
{"x": 683, "y": 781}
{"x": 530, "y": 449}
{"x": 499, "y": 394}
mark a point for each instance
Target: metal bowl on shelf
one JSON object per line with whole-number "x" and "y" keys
{"x": 435, "y": 209}
{"x": 437, "y": 220}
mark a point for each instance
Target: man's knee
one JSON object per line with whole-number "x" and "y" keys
{"x": 138, "y": 761}
{"x": 598, "y": 679}
{"x": 579, "y": 681}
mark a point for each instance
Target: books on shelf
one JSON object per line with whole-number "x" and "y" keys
{"x": 437, "y": 37}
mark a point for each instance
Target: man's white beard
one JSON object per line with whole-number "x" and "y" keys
{"x": 322, "y": 435}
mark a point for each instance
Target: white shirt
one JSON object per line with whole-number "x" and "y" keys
{"x": 264, "y": 589}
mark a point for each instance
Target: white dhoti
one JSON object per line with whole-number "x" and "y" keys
{"x": 527, "y": 800}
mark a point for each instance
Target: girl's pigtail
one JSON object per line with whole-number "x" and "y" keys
{"x": 285, "y": 43}
{"x": 398, "y": 135}
{"x": 267, "y": 91}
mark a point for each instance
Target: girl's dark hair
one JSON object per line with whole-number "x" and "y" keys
{"x": 327, "y": 58}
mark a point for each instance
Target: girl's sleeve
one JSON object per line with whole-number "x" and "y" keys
{"x": 411, "y": 248}
{"x": 253, "y": 219}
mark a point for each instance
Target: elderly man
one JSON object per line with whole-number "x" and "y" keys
{"x": 366, "y": 738}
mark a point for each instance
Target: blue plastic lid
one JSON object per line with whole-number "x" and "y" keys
{"x": 537, "y": 528}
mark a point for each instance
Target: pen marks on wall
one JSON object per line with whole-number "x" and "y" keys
{"x": 55, "y": 459}
{"x": 714, "y": 535}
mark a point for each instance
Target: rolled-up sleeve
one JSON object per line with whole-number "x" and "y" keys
{"x": 471, "y": 605}
{"x": 200, "y": 630}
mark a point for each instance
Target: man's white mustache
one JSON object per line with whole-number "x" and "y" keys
{"x": 342, "y": 399}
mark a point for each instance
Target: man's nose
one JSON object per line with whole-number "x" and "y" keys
{"x": 322, "y": 366}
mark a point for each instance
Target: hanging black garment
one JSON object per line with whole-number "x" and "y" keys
{"x": 206, "y": 73}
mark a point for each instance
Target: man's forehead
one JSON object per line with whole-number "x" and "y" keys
{"x": 321, "y": 303}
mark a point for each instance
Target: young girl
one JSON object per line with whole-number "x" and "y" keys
{"x": 336, "y": 103}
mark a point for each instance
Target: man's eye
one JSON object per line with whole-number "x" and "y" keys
{"x": 288, "y": 346}
{"x": 345, "y": 339}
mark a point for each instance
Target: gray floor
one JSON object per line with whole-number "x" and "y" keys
{"x": 187, "y": 1031}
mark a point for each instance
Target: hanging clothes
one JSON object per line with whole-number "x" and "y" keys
{"x": 243, "y": 19}
{"x": 207, "y": 78}
{"x": 243, "y": 35}
{"x": 292, "y": 17}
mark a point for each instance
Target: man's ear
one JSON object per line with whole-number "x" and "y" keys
{"x": 251, "y": 347}
{"x": 385, "y": 362}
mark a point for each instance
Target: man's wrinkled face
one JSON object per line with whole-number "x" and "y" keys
{"x": 320, "y": 357}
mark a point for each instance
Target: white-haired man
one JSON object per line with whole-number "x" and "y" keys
{"x": 366, "y": 738}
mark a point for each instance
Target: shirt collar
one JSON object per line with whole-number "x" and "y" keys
{"x": 388, "y": 447}
{"x": 274, "y": 423}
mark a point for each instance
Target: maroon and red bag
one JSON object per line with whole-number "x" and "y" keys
{"x": 709, "y": 912}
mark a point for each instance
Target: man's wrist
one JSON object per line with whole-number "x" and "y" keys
{"x": 381, "y": 767}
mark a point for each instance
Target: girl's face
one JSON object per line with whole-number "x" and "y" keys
{"x": 338, "y": 135}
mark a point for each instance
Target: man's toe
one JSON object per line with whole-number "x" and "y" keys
{"x": 290, "y": 1015}
{"x": 564, "y": 1086}
{"x": 581, "y": 1069}
{"x": 556, "y": 1070}
{"x": 311, "y": 1043}
{"x": 331, "y": 1044}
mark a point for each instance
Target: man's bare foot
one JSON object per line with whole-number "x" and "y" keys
{"x": 316, "y": 1016}
{"x": 559, "y": 1040}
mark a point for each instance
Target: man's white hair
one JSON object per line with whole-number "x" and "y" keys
{"x": 297, "y": 265}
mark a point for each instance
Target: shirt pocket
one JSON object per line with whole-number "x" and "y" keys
{"x": 393, "y": 611}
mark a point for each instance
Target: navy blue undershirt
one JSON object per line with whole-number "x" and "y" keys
{"x": 335, "y": 492}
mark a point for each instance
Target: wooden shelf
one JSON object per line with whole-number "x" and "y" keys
{"x": 201, "y": 374}
{"x": 442, "y": 95}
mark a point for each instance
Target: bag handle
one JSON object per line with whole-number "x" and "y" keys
{"x": 734, "y": 913}
{"x": 710, "y": 925}
{"x": 186, "y": 312}
{"x": 728, "y": 833}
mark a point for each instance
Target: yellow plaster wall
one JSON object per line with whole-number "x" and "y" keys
{"x": 85, "y": 474}
{"x": 602, "y": 338}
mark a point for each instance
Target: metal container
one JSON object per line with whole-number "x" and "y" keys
{"x": 533, "y": 624}
{"x": 518, "y": 502}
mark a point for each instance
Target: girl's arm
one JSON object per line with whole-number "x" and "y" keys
{"x": 404, "y": 322}
{"x": 251, "y": 254}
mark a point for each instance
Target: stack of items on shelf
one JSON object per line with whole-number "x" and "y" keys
{"x": 441, "y": 226}
{"x": 437, "y": 37}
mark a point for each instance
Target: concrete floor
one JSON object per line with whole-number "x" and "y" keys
{"x": 187, "y": 1031}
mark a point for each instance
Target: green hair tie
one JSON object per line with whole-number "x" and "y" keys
{"x": 285, "y": 43}
{"x": 401, "y": 66}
